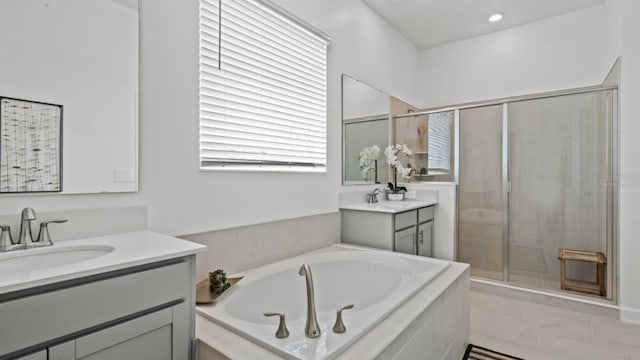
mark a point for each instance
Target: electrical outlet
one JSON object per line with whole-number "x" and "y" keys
{"x": 124, "y": 175}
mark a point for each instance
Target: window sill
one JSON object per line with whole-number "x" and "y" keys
{"x": 263, "y": 169}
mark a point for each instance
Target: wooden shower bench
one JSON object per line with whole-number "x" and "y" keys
{"x": 593, "y": 288}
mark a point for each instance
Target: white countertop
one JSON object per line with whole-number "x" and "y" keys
{"x": 391, "y": 207}
{"x": 129, "y": 249}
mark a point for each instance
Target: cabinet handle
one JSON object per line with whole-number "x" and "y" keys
{"x": 421, "y": 237}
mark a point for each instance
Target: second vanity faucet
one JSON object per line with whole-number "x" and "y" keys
{"x": 311, "y": 327}
{"x": 372, "y": 198}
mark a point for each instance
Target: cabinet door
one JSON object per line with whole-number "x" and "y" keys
{"x": 425, "y": 239}
{"x": 405, "y": 241}
{"x": 148, "y": 337}
{"x": 65, "y": 351}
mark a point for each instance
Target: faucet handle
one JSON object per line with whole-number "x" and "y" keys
{"x": 282, "y": 331}
{"x": 339, "y": 327}
{"x": 6, "y": 241}
{"x": 44, "y": 238}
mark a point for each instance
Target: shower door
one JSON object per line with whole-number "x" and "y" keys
{"x": 558, "y": 171}
{"x": 534, "y": 176}
{"x": 480, "y": 192}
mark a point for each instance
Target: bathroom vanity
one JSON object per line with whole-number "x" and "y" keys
{"x": 124, "y": 296}
{"x": 403, "y": 226}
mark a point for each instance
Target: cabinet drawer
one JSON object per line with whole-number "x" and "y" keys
{"x": 425, "y": 214}
{"x": 120, "y": 334}
{"x": 404, "y": 220}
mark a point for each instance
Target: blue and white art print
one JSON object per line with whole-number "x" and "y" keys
{"x": 30, "y": 146}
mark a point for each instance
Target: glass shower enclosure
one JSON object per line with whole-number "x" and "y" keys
{"x": 535, "y": 176}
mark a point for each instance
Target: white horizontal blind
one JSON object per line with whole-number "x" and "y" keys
{"x": 262, "y": 89}
{"x": 440, "y": 142}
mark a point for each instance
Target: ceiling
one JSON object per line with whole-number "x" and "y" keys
{"x": 428, "y": 23}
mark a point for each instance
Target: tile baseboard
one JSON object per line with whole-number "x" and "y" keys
{"x": 630, "y": 315}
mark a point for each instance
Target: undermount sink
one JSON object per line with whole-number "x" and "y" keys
{"x": 50, "y": 257}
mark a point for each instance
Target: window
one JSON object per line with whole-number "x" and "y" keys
{"x": 440, "y": 138}
{"x": 263, "y": 89}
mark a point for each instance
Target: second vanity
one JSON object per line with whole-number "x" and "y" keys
{"x": 123, "y": 296}
{"x": 403, "y": 226}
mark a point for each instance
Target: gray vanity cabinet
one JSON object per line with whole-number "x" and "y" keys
{"x": 409, "y": 232}
{"x": 142, "y": 313}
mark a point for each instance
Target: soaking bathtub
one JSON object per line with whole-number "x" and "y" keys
{"x": 375, "y": 282}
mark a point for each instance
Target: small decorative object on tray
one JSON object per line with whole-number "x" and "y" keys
{"x": 218, "y": 282}
{"x": 209, "y": 290}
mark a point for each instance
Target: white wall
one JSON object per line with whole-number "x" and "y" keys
{"x": 361, "y": 100}
{"x": 181, "y": 199}
{"x": 629, "y": 243}
{"x": 65, "y": 58}
{"x": 566, "y": 51}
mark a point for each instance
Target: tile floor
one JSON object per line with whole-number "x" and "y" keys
{"x": 542, "y": 332}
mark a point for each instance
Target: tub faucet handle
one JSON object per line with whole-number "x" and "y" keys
{"x": 282, "y": 331}
{"x": 339, "y": 327}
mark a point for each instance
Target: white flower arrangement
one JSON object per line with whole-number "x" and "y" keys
{"x": 368, "y": 160}
{"x": 391, "y": 153}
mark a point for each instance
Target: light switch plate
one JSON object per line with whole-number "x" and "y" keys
{"x": 410, "y": 194}
{"x": 124, "y": 175}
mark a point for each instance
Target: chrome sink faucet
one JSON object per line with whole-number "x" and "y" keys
{"x": 372, "y": 198}
{"x": 28, "y": 215}
{"x": 25, "y": 239}
{"x": 311, "y": 327}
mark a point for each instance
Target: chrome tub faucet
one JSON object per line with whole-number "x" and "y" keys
{"x": 311, "y": 328}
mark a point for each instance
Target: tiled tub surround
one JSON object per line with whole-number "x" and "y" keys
{"x": 243, "y": 248}
{"x": 393, "y": 325}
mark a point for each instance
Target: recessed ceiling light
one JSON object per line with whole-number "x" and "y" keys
{"x": 495, "y": 17}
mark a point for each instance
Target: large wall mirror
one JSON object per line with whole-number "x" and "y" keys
{"x": 365, "y": 133}
{"x": 75, "y": 63}
{"x": 371, "y": 120}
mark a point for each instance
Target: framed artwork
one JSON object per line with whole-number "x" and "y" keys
{"x": 30, "y": 146}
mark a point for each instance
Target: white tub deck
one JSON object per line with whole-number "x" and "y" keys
{"x": 414, "y": 293}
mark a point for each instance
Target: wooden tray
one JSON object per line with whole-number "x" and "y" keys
{"x": 205, "y": 296}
